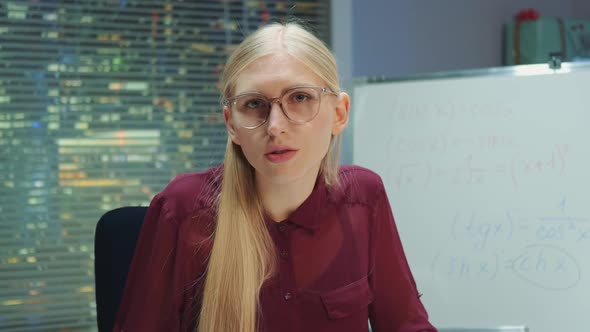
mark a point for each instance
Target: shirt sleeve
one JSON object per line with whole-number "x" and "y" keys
{"x": 396, "y": 306}
{"x": 151, "y": 301}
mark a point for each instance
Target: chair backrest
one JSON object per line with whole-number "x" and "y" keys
{"x": 114, "y": 244}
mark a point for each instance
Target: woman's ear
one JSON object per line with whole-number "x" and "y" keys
{"x": 341, "y": 115}
{"x": 229, "y": 124}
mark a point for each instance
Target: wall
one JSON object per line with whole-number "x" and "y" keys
{"x": 581, "y": 9}
{"x": 402, "y": 37}
{"x": 341, "y": 34}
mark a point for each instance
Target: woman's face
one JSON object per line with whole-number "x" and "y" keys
{"x": 279, "y": 150}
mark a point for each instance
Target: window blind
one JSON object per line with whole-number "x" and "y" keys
{"x": 102, "y": 103}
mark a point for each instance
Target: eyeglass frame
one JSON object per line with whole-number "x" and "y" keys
{"x": 229, "y": 102}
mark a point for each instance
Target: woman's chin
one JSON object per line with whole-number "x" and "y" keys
{"x": 281, "y": 175}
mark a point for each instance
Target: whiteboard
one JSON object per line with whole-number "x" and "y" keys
{"x": 488, "y": 176}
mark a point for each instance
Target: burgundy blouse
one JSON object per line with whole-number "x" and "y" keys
{"x": 341, "y": 261}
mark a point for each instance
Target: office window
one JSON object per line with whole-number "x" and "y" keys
{"x": 102, "y": 103}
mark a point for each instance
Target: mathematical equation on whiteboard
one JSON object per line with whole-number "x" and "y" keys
{"x": 484, "y": 248}
{"x": 473, "y": 171}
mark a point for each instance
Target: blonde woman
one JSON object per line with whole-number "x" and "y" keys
{"x": 279, "y": 238}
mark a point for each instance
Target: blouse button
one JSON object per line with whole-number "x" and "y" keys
{"x": 281, "y": 227}
{"x": 284, "y": 253}
{"x": 287, "y": 296}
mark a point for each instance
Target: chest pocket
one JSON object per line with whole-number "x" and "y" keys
{"x": 347, "y": 299}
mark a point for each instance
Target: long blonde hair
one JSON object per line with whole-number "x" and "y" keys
{"x": 243, "y": 254}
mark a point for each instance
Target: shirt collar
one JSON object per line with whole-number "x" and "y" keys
{"x": 308, "y": 215}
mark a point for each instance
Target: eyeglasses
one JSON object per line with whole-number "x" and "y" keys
{"x": 300, "y": 104}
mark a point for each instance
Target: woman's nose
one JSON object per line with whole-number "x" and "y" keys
{"x": 277, "y": 120}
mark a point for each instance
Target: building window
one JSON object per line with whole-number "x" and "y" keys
{"x": 102, "y": 103}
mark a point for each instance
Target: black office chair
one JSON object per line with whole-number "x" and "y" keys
{"x": 114, "y": 244}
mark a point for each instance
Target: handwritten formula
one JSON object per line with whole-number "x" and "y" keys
{"x": 544, "y": 257}
{"x": 473, "y": 170}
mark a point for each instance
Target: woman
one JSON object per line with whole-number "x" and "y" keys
{"x": 279, "y": 238}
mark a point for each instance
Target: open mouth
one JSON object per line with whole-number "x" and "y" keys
{"x": 280, "y": 151}
{"x": 279, "y": 156}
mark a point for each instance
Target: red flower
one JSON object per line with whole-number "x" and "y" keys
{"x": 529, "y": 14}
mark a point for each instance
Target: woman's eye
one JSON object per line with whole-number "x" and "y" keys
{"x": 299, "y": 97}
{"x": 254, "y": 103}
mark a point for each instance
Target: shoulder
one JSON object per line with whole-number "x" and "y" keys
{"x": 358, "y": 185}
{"x": 190, "y": 192}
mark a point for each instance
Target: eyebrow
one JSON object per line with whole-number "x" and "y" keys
{"x": 282, "y": 90}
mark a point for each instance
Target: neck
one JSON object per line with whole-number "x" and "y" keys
{"x": 281, "y": 199}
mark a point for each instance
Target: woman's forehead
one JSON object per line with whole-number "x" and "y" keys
{"x": 273, "y": 73}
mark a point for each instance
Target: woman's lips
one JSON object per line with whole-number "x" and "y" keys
{"x": 280, "y": 156}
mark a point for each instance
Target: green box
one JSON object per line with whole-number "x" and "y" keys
{"x": 535, "y": 41}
